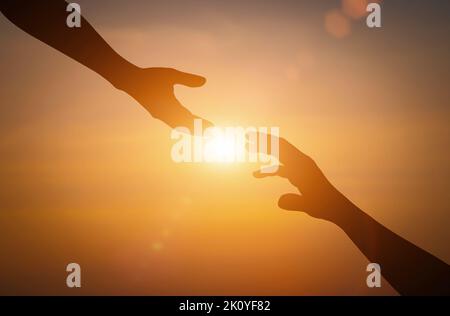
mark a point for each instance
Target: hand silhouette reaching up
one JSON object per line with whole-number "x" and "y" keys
{"x": 408, "y": 268}
{"x": 153, "y": 88}
{"x": 319, "y": 198}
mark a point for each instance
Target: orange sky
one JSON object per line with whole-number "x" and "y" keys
{"x": 86, "y": 174}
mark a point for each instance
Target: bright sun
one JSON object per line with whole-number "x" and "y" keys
{"x": 220, "y": 149}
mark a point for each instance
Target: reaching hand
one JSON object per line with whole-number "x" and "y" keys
{"x": 153, "y": 88}
{"x": 318, "y": 196}
{"x": 320, "y": 199}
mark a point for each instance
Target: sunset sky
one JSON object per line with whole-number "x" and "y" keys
{"x": 86, "y": 174}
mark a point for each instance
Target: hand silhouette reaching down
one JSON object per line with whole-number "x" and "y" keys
{"x": 153, "y": 88}
{"x": 408, "y": 268}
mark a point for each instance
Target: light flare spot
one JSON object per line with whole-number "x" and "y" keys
{"x": 337, "y": 24}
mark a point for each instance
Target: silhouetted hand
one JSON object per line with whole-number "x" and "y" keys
{"x": 319, "y": 198}
{"x": 153, "y": 88}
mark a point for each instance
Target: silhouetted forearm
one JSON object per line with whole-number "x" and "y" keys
{"x": 409, "y": 269}
{"x": 46, "y": 21}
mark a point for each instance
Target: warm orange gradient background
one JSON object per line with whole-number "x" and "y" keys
{"x": 86, "y": 174}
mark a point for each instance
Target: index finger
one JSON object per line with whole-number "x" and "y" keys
{"x": 288, "y": 153}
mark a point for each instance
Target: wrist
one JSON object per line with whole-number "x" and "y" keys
{"x": 348, "y": 214}
{"x": 122, "y": 74}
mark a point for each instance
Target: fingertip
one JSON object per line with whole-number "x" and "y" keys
{"x": 288, "y": 201}
{"x": 196, "y": 81}
{"x": 281, "y": 202}
{"x": 190, "y": 80}
{"x": 201, "y": 81}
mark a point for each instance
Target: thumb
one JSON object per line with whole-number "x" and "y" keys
{"x": 292, "y": 202}
{"x": 188, "y": 79}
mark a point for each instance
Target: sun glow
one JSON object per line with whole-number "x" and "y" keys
{"x": 226, "y": 145}
{"x": 221, "y": 148}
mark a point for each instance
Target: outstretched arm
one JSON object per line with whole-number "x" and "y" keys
{"x": 152, "y": 87}
{"x": 408, "y": 268}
